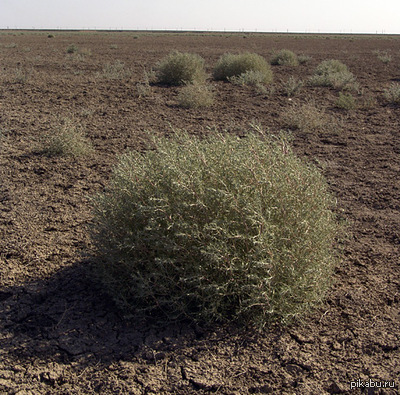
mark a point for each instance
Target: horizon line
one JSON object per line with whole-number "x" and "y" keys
{"x": 195, "y": 30}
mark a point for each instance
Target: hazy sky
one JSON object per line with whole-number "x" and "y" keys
{"x": 356, "y": 16}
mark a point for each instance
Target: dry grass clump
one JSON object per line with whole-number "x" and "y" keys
{"x": 392, "y": 94}
{"x": 383, "y": 56}
{"x": 181, "y": 68}
{"x": 230, "y": 66}
{"x": 306, "y": 117}
{"x": 304, "y": 59}
{"x": 215, "y": 229}
{"x": 196, "y": 96}
{"x": 66, "y": 139}
{"x": 345, "y": 101}
{"x": 115, "y": 71}
{"x": 251, "y": 78}
{"x": 284, "y": 57}
{"x": 292, "y": 86}
{"x": 72, "y": 49}
{"x": 332, "y": 73}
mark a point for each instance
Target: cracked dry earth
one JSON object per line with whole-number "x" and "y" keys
{"x": 61, "y": 334}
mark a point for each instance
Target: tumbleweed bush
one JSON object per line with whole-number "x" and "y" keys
{"x": 392, "y": 94}
{"x": 196, "y": 96}
{"x": 67, "y": 138}
{"x": 181, "y": 68}
{"x": 218, "y": 229}
{"x": 332, "y": 73}
{"x": 231, "y": 65}
{"x": 284, "y": 57}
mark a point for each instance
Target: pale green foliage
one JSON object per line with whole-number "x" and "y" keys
{"x": 292, "y": 86}
{"x": 306, "y": 117}
{"x": 332, "y": 73}
{"x": 303, "y": 59}
{"x": 215, "y": 229}
{"x": 346, "y": 101}
{"x": 66, "y": 139}
{"x": 392, "y": 94}
{"x": 115, "y": 71}
{"x": 195, "y": 96}
{"x": 251, "y": 77}
{"x": 72, "y": 48}
{"x": 181, "y": 68}
{"x": 384, "y": 56}
{"x": 284, "y": 57}
{"x": 230, "y": 65}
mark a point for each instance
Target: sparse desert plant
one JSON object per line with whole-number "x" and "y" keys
{"x": 284, "y": 57}
{"x": 143, "y": 88}
{"x": 72, "y": 48}
{"x": 304, "y": 59}
{"x": 392, "y": 94}
{"x": 66, "y": 139}
{"x": 332, "y": 73}
{"x": 292, "y": 86}
{"x": 368, "y": 102}
{"x": 230, "y": 65}
{"x": 215, "y": 229}
{"x": 181, "y": 68}
{"x": 306, "y": 117}
{"x": 85, "y": 52}
{"x": 195, "y": 96}
{"x": 115, "y": 71}
{"x": 384, "y": 56}
{"x": 251, "y": 77}
{"x": 22, "y": 74}
{"x": 345, "y": 101}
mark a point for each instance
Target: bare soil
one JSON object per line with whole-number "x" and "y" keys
{"x": 61, "y": 334}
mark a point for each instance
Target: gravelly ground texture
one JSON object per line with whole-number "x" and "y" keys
{"x": 61, "y": 334}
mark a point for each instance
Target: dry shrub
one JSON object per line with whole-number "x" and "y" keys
{"x": 215, "y": 229}
{"x": 284, "y": 57}
{"x": 66, "y": 139}
{"x": 115, "y": 71}
{"x": 292, "y": 86}
{"x": 181, "y": 68}
{"x": 307, "y": 117}
{"x": 345, "y": 101}
{"x": 251, "y": 77}
{"x": 195, "y": 96}
{"x": 332, "y": 73}
{"x": 230, "y": 66}
{"x": 392, "y": 94}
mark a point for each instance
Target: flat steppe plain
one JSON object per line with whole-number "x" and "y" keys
{"x": 61, "y": 334}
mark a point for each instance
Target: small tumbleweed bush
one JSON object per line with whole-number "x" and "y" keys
{"x": 392, "y": 94}
{"x": 181, "y": 68}
{"x": 196, "y": 96}
{"x": 215, "y": 229}
{"x": 230, "y": 66}
{"x": 67, "y": 138}
{"x": 307, "y": 117}
{"x": 115, "y": 71}
{"x": 251, "y": 78}
{"x": 332, "y": 73}
{"x": 292, "y": 86}
{"x": 345, "y": 101}
{"x": 284, "y": 57}
{"x": 72, "y": 48}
